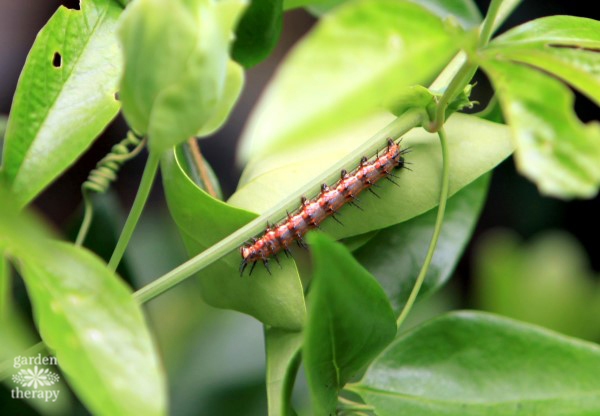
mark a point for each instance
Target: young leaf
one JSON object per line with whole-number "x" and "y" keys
{"x": 276, "y": 300}
{"x": 86, "y": 315}
{"x": 176, "y": 58}
{"x": 475, "y": 147}
{"x": 283, "y": 357}
{"x": 553, "y": 45}
{"x": 258, "y": 31}
{"x": 349, "y": 322}
{"x": 554, "y": 149}
{"x": 65, "y": 96}
{"x": 473, "y": 363}
{"x": 396, "y": 255}
{"x": 363, "y": 55}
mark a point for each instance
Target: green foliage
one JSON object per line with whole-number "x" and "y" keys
{"x": 328, "y": 105}
{"x": 283, "y": 357}
{"x": 554, "y": 149}
{"x": 87, "y": 317}
{"x": 349, "y": 322}
{"x": 258, "y": 32}
{"x": 175, "y": 81}
{"x": 475, "y": 147}
{"x": 396, "y": 254}
{"x": 472, "y": 363}
{"x": 276, "y": 299}
{"x": 520, "y": 280}
{"x": 397, "y": 43}
{"x": 65, "y": 96}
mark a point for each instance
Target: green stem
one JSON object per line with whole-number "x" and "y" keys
{"x": 488, "y": 24}
{"x": 87, "y": 219}
{"x": 395, "y": 129}
{"x": 136, "y": 209}
{"x": 458, "y": 83}
{"x": 436, "y": 231}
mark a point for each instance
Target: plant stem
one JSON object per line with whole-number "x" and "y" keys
{"x": 436, "y": 231}
{"x": 87, "y": 219}
{"x": 395, "y": 129}
{"x": 200, "y": 166}
{"x": 488, "y": 24}
{"x": 136, "y": 209}
{"x": 458, "y": 83}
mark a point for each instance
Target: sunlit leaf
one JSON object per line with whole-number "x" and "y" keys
{"x": 475, "y": 147}
{"x": 65, "y": 95}
{"x": 176, "y": 58}
{"x": 362, "y": 55}
{"x": 553, "y": 147}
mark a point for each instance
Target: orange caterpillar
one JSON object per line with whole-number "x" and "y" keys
{"x": 311, "y": 212}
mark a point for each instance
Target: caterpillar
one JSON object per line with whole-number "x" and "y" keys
{"x": 312, "y": 212}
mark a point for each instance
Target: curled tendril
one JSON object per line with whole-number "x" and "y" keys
{"x": 104, "y": 174}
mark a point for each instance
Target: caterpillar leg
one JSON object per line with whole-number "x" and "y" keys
{"x": 243, "y": 265}
{"x": 252, "y": 268}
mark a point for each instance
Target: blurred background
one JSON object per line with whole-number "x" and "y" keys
{"x": 531, "y": 258}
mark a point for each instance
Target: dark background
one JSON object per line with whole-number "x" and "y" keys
{"x": 513, "y": 201}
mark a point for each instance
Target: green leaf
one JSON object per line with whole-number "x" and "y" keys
{"x": 363, "y": 55}
{"x": 554, "y": 149}
{"x": 465, "y": 11}
{"x": 553, "y": 30}
{"x": 258, "y": 31}
{"x": 542, "y": 42}
{"x": 520, "y": 279}
{"x": 473, "y": 363}
{"x": 505, "y": 10}
{"x": 276, "y": 300}
{"x": 187, "y": 163}
{"x": 396, "y": 255}
{"x": 87, "y": 316}
{"x": 234, "y": 82}
{"x": 349, "y": 322}
{"x": 176, "y": 59}
{"x": 283, "y": 358}
{"x": 58, "y": 111}
{"x": 475, "y": 147}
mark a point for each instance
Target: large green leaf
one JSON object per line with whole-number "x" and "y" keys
{"x": 553, "y": 148}
{"x": 520, "y": 279}
{"x": 258, "y": 31}
{"x": 352, "y": 63}
{"x": 349, "y": 322}
{"x": 176, "y": 66}
{"x": 552, "y": 44}
{"x": 65, "y": 95}
{"x": 553, "y": 30}
{"x": 276, "y": 300}
{"x": 475, "y": 147}
{"x": 283, "y": 358}
{"x": 88, "y": 318}
{"x": 472, "y": 363}
{"x": 396, "y": 255}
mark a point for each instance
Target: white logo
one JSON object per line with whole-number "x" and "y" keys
{"x": 35, "y": 379}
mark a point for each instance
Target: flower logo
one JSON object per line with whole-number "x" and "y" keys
{"x": 36, "y": 377}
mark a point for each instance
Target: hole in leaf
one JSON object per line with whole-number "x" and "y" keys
{"x": 56, "y": 60}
